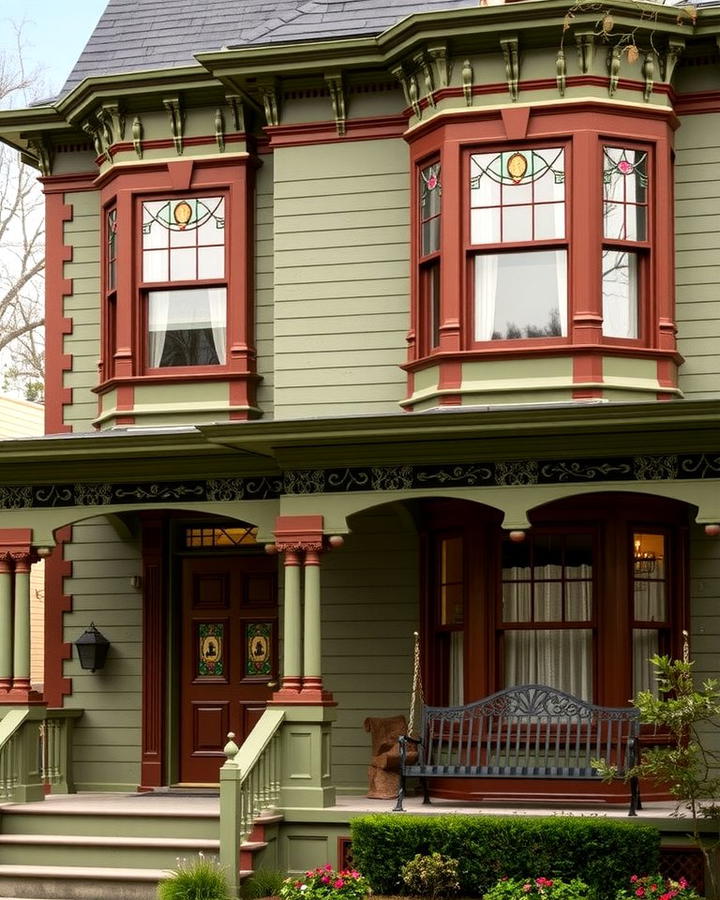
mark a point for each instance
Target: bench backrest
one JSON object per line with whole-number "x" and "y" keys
{"x": 531, "y": 730}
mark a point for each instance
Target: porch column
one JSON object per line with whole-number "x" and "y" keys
{"x": 6, "y": 651}
{"x": 292, "y": 663}
{"x": 21, "y": 625}
{"x": 312, "y": 665}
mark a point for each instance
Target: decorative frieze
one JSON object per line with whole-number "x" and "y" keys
{"x": 668, "y": 467}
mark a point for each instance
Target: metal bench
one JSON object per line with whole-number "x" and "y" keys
{"x": 530, "y": 731}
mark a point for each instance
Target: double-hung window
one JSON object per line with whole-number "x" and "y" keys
{"x": 625, "y": 238}
{"x": 430, "y": 190}
{"x": 184, "y": 281}
{"x": 518, "y": 244}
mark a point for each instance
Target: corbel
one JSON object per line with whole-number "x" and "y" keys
{"x": 561, "y": 72}
{"x": 668, "y": 60}
{"x": 105, "y": 128}
{"x": 399, "y": 72}
{"x": 42, "y": 153}
{"x": 92, "y": 130}
{"x": 648, "y": 71}
{"x": 423, "y": 64}
{"x": 177, "y": 121}
{"x": 512, "y": 64}
{"x": 271, "y": 101}
{"x": 336, "y": 89}
{"x": 414, "y": 94}
{"x": 438, "y": 54}
{"x": 613, "y": 63}
{"x": 235, "y": 102}
{"x": 137, "y": 136}
{"x": 220, "y": 129}
{"x": 467, "y": 82}
{"x": 113, "y": 113}
{"x": 585, "y": 41}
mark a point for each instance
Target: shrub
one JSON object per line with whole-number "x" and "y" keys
{"x": 199, "y": 879}
{"x": 431, "y": 876}
{"x": 324, "y": 883}
{"x": 262, "y": 883}
{"x": 655, "y": 887}
{"x": 555, "y": 888}
{"x": 598, "y": 851}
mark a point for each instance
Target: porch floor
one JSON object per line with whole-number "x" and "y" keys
{"x": 347, "y": 807}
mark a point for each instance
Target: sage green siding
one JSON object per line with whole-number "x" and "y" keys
{"x": 705, "y": 602}
{"x": 264, "y": 324}
{"x": 82, "y": 233}
{"x": 106, "y": 750}
{"x": 341, "y": 277}
{"x": 370, "y": 609}
{"x": 697, "y": 224}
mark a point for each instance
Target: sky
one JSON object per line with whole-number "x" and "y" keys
{"x": 54, "y": 33}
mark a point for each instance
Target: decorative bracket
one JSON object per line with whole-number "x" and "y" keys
{"x": 336, "y": 89}
{"x": 137, "y": 136}
{"x": 220, "y": 129}
{"x": 512, "y": 64}
{"x": 613, "y": 63}
{"x": 561, "y": 72}
{"x": 423, "y": 64}
{"x": 648, "y": 71}
{"x": 438, "y": 54}
{"x": 112, "y": 118}
{"x": 669, "y": 59}
{"x": 238, "y": 111}
{"x": 467, "y": 82}
{"x": 401, "y": 75}
{"x": 42, "y": 152}
{"x": 414, "y": 94}
{"x": 271, "y": 102}
{"x": 585, "y": 41}
{"x": 92, "y": 129}
{"x": 177, "y": 121}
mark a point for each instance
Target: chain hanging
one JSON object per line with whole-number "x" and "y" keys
{"x": 417, "y": 688}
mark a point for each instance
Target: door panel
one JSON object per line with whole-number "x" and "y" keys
{"x": 229, "y": 654}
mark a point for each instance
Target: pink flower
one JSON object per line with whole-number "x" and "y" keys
{"x": 328, "y": 868}
{"x": 339, "y": 883}
{"x": 527, "y": 888}
{"x": 625, "y": 167}
{"x": 683, "y": 882}
{"x": 633, "y": 879}
{"x": 640, "y": 892}
{"x": 325, "y": 879}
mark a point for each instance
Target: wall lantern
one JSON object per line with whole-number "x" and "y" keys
{"x": 92, "y": 648}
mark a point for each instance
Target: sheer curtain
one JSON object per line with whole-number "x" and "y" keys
{"x": 158, "y": 318}
{"x": 217, "y": 308}
{"x": 559, "y": 657}
{"x": 486, "y": 264}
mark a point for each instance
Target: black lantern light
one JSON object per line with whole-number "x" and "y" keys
{"x": 92, "y": 648}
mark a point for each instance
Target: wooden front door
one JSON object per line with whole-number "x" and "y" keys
{"x": 229, "y": 656}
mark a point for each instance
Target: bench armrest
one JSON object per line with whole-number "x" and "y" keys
{"x": 403, "y": 741}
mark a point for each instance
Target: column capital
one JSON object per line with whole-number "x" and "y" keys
{"x": 16, "y": 545}
{"x": 299, "y": 533}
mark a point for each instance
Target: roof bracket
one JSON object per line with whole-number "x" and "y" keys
{"x": 177, "y": 121}
{"x": 336, "y": 88}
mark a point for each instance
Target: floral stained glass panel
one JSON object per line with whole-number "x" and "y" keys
{"x": 258, "y": 657}
{"x": 111, "y": 228}
{"x": 430, "y": 194}
{"x": 211, "y": 641}
{"x": 625, "y": 187}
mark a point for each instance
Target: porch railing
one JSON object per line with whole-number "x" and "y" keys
{"x": 249, "y": 786}
{"x": 35, "y": 755}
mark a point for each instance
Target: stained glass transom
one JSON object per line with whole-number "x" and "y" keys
{"x": 220, "y": 537}
{"x": 517, "y": 196}
{"x": 183, "y": 240}
{"x": 625, "y": 184}
{"x": 430, "y": 194}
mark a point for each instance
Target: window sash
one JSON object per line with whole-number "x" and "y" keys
{"x": 187, "y": 327}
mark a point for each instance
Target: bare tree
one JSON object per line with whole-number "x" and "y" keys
{"x": 22, "y": 257}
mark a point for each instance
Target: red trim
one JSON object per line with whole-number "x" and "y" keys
{"x": 371, "y": 128}
{"x": 163, "y": 144}
{"x": 59, "y": 184}
{"x": 697, "y": 103}
{"x": 298, "y": 532}
{"x": 57, "y": 325}
{"x": 57, "y": 603}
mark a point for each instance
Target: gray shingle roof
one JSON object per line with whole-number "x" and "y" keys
{"x": 136, "y": 35}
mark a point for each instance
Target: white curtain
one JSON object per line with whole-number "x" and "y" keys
{"x": 486, "y": 265}
{"x": 217, "y": 303}
{"x": 559, "y": 657}
{"x": 561, "y": 260}
{"x": 158, "y": 316}
{"x": 457, "y": 669}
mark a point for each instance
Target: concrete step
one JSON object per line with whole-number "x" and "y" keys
{"x": 20, "y": 820}
{"x": 124, "y": 852}
{"x": 26, "y": 882}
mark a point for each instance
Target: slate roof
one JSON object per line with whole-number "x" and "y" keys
{"x": 136, "y": 35}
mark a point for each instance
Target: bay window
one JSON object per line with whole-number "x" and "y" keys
{"x": 430, "y": 190}
{"x": 183, "y": 281}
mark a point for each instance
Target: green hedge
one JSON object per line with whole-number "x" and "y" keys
{"x": 603, "y": 853}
